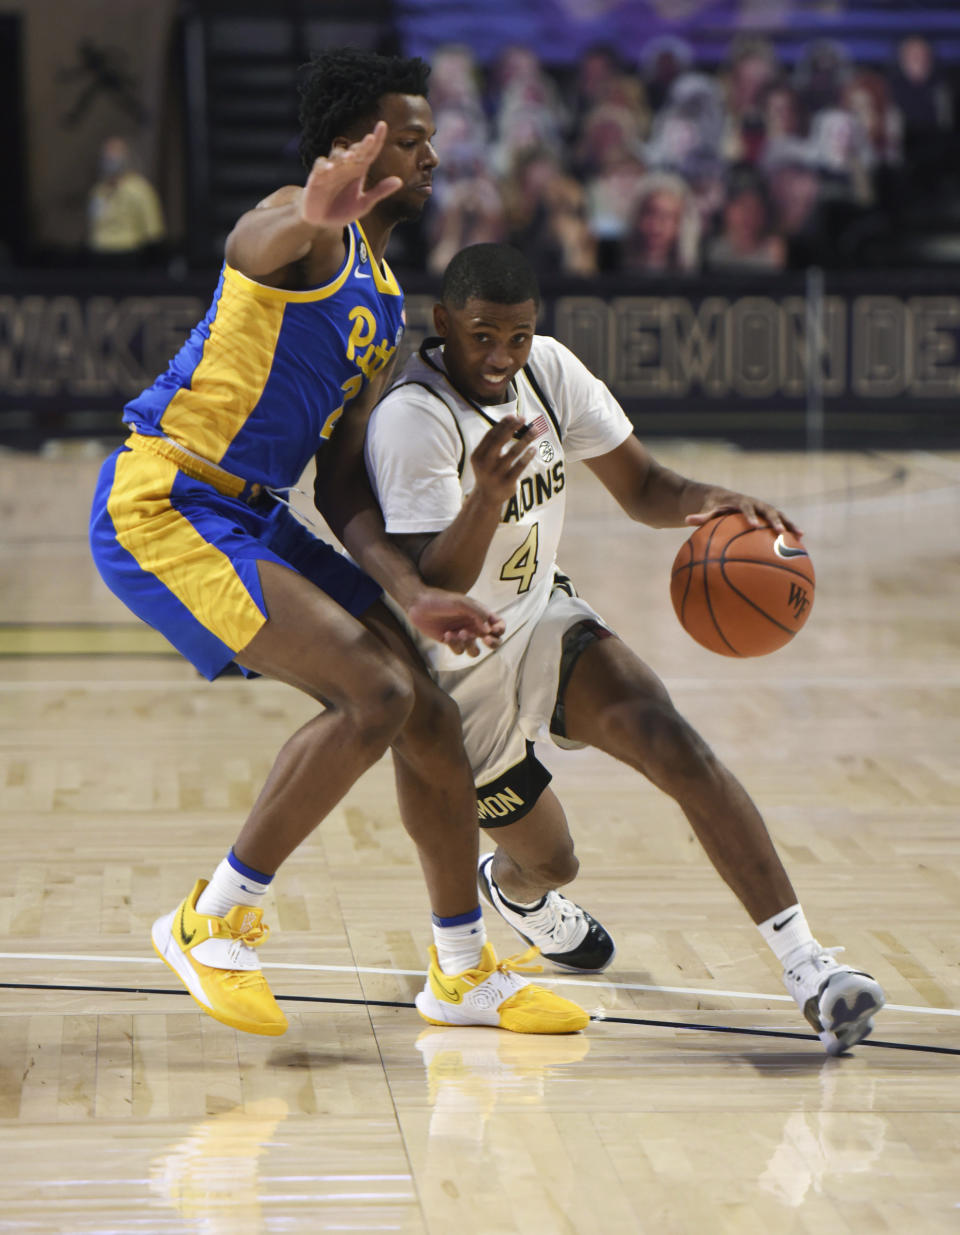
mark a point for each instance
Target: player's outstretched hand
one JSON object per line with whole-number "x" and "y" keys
{"x": 499, "y": 458}
{"x": 334, "y": 194}
{"x": 756, "y": 512}
{"x": 457, "y": 621}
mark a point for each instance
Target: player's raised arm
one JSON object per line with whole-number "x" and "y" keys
{"x": 294, "y": 221}
{"x": 454, "y": 557}
{"x": 344, "y": 497}
{"x": 658, "y": 496}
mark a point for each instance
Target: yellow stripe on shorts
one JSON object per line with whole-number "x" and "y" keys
{"x": 168, "y": 546}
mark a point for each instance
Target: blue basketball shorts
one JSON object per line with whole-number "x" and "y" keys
{"x": 183, "y": 556}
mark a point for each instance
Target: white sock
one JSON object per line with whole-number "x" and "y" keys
{"x": 459, "y": 943}
{"x": 233, "y": 883}
{"x": 785, "y": 932}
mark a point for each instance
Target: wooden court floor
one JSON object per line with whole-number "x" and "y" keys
{"x": 696, "y": 1101}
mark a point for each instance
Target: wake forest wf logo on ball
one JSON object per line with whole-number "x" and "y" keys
{"x": 799, "y": 599}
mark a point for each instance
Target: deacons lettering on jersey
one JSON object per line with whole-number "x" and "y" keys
{"x": 419, "y": 442}
{"x": 262, "y": 380}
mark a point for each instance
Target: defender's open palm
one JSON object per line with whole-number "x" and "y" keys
{"x": 458, "y": 621}
{"x": 334, "y": 194}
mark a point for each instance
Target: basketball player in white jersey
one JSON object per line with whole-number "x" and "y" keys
{"x": 468, "y": 456}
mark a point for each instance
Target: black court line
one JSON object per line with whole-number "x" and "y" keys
{"x": 394, "y": 1003}
{"x": 777, "y": 1033}
{"x": 159, "y": 990}
{"x": 896, "y": 477}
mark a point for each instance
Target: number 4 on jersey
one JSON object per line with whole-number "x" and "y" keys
{"x": 522, "y": 564}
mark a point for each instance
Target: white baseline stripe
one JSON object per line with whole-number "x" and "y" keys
{"x": 596, "y": 983}
{"x": 811, "y": 680}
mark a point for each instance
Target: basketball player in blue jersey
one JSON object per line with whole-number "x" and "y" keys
{"x": 468, "y": 453}
{"x": 190, "y": 529}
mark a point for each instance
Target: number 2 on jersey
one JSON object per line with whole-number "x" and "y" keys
{"x": 351, "y": 388}
{"x": 522, "y": 564}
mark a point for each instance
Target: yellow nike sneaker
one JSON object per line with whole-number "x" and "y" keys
{"x": 216, "y": 961}
{"x": 495, "y": 994}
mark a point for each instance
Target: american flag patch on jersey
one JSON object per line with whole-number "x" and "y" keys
{"x": 538, "y": 427}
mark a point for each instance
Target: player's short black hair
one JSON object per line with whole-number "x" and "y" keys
{"x": 494, "y": 272}
{"x": 341, "y": 88}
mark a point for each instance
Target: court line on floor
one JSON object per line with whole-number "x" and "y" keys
{"x": 598, "y": 1017}
{"x": 596, "y": 983}
{"x": 932, "y": 462}
{"x": 792, "y": 683}
{"x": 804, "y": 507}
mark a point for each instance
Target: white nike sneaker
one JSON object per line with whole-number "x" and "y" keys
{"x": 839, "y": 1002}
{"x": 566, "y": 935}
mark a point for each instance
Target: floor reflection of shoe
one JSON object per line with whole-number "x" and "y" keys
{"x": 212, "y": 1177}
{"x": 819, "y": 1145}
{"x": 469, "y": 1074}
{"x": 839, "y": 1002}
{"x": 458, "y": 1054}
{"x": 567, "y": 935}
{"x": 495, "y": 994}
{"x": 215, "y": 958}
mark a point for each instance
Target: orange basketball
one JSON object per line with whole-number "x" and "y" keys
{"x": 741, "y": 590}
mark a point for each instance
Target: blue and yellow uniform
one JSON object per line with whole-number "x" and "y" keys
{"x": 183, "y": 511}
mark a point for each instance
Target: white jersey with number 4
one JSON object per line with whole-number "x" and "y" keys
{"x": 419, "y": 442}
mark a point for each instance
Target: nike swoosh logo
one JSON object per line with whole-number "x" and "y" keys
{"x": 361, "y": 275}
{"x": 453, "y": 996}
{"x": 778, "y": 926}
{"x": 186, "y": 939}
{"x": 782, "y": 549}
